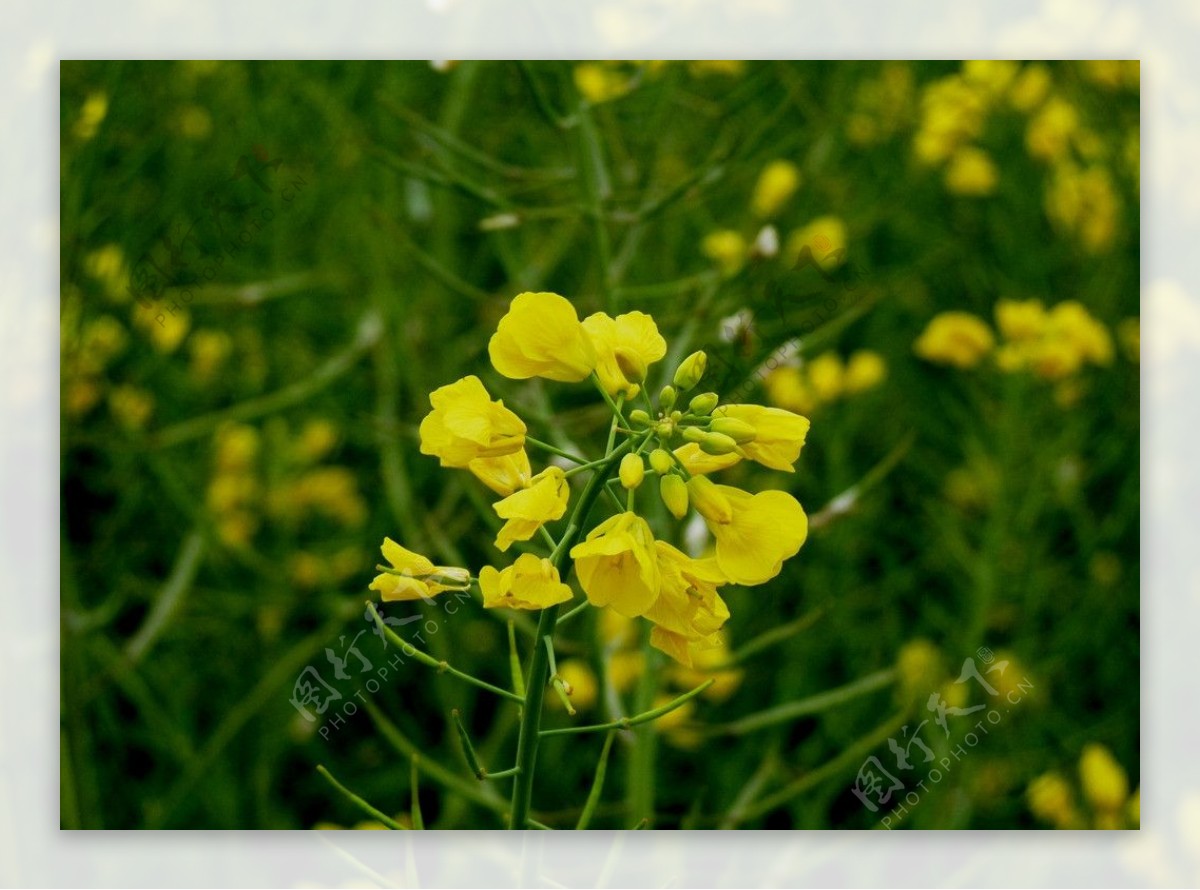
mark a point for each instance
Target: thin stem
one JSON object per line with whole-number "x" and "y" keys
{"x": 595, "y": 185}
{"x": 418, "y": 820}
{"x": 359, "y": 802}
{"x": 814, "y": 704}
{"x": 444, "y": 666}
{"x": 539, "y": 664}
{"x": 613, "y": 406}
{"x": 468, "y": 749}
{"x": 630, "y": 722}
{"x": 546, "y": 446}
{"x": 593, "y": 799}
{"x": 579, "y": 469}
{"x": 514, "y": 662}
{"x": 576, "y": 611}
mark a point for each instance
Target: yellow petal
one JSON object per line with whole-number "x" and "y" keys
{"x": 541, "y": 336}
{"x": 617, "y": 566}
{"x": 405, "y": 560}
{"x": 636, "y": 334}
{"x": 764, "y": 530}
{"x": 698, "y": 463}
{"x": 779, "y": 434}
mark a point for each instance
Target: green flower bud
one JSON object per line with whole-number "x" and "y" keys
{"x": 704, "y": 403}
{"x": 661, "y": 461}
{"x": 674, "y": 493}
{"x": 691, "y": 371}
{"x": 632, "y": 470}
{"x": 666, "y": 398}
{"x": 693, "y": 434}
{"x": 738, "y": 430}
{"x": 718, "y": 443}
{"x": 638, "y": 417}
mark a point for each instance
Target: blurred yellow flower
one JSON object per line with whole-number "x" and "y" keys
{"x": 529, "y": 509}
{"x": 598, "y": 82}
{"x": 208, "y": 351}
{"x": 1103, "y": 780}
{"x": 826, "y": 376}
{"x": 971, "y": 173}
{"x": 466, "y": 424}
{"x": 529, "y": 583}
{"x": 617, "y": 565}
{"x": 581, "y": 681}
{"x": 727, "y": 248}
{"x": 131, "y": 406}
{"x": 955, "y": 338}
{"x": 1030, "y": 87}
{"x": 624, "y": 347}
{"x": 1020, "y": 320}
{"x": 1129, "y": 334}
{"x": 1051, "y": 800}
{"x": 865, "y": 370}
{"x": 787, "y": 387}
{"x": 1049, "y": 133}
{"x": 91, "y": 115}
{"x": 776, "y": 184}
{"x": 415, "y": 577}
{"x": 541, "y": 336}
{"x": 824, "y": 237}
{"x": 1083, "y": 203}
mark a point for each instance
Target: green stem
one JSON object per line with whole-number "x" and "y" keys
{"x": 359, "y": 802}
{"x": 593, "y": 799}
{"x": 539, "y": 663}
{"x": 546, "y": 446}
{"x": 814, "y": 704}
{"x": 630, "y": 722}
{"x": 592, "y": 173}
{"x": 444, "y": 666}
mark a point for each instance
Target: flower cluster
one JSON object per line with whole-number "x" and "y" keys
{"x": 1105, "y": 788}
{"x": 1052, "y": 343}
{"x": 620, "y": 563}
{"x": 825, "y": 379}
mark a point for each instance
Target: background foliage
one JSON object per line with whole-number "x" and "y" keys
{"x": 266, "y": 267}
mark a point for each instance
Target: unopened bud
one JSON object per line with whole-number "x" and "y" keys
{"x": 693, "y": 434}
{"x": 632, "y": 365}
{"x": 738, "y": 430}
{"x": 664, "y": 429}
{"x": 690, "y": 372}
{"x": 666, "y": 398}
{"x": 708, "y": 500}
{"x": 717, "y": 443}
{"x": 661, "y": 461}
{"x": 674, "y": 493}
{"x": 638, "y": 417}
{"x": 632, "y": 470}
{"x": 703, "y": 404}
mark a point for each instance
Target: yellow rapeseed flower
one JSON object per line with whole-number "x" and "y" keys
{"x": 466, "y": 424}
{"x": 1050, "y": 799}
{"x": 727, "y": 248}
{"x": 415, "y": 576}
{"x": 527, "y": 510}
{"x": 700, "y": 463}
{"x": 1030, "y": 87}
{"x": 787, "y": 387}
{"x": 755, "y": 532}
{"x": 581, "y": 680}
{"x": 541, "y": 336}
{"x": 826, "y": 376}
{"x": 825, "y": 237}
{"x": 778, "y": 434}
{"x": 628, "y": 341}
{"x": 617, "y": 565}
{"x": 688, "y": 608}
{"x": 530, "y": 583}
{"x": 955, "y": 338}
{"x": 504, "y": 474}
{"x": 598, "y": 82}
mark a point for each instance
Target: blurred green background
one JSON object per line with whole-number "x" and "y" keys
{"x": 266, "y": 268}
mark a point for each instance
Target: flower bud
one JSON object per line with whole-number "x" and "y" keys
{"x": 661, "y": 461}
{"x": 690, "y": 372}
{"x": 674, "y": 493}
{"x": 717, "y": 443}
{"x": 664, "y": 429}
{"x": 693, "y": 434}
{"x": 738, "y": 430}
{"x": 632, "y": 365}
{"x": 638, "y": 417}
{"x": 703, "y": 404}
{"x": 631, "y": 471}
{"x": 666, "y": 398}
{"x": 709, "y": 502}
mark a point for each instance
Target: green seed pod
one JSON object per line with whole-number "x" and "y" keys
{"x": 738, "y": 430}
{"x": 632, "y": 470}
{"x": 703, "y": 404}
{"x": 661, "y": 461}
{"x": 666, "y": 398}
{"x": 638, "y": 417}
{"x": 690, "y": 372}
{"x": 674, "y": 493}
